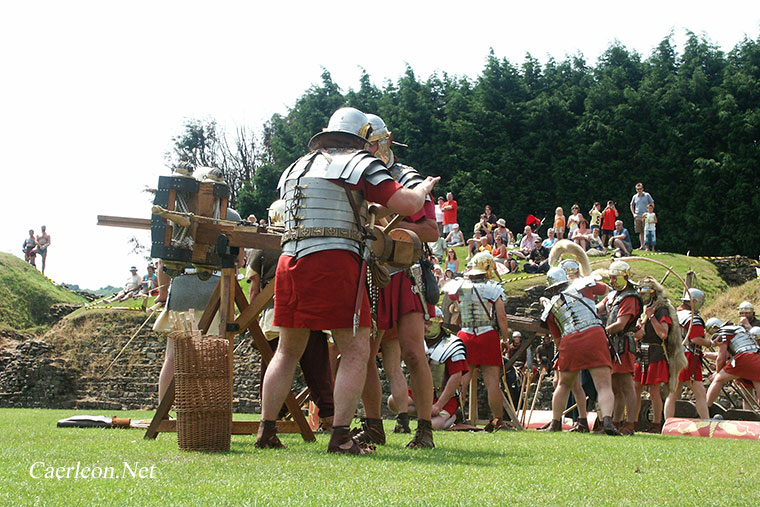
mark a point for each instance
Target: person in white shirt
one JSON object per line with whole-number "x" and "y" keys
{"x": 130, "y": 289}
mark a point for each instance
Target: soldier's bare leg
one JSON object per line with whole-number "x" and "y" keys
{"x": 411, "y": 331}
{"x": 564, "y": 386}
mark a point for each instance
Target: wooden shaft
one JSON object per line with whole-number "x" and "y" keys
{"x": 474, "y": 397}
{"x": 535, "y": 397}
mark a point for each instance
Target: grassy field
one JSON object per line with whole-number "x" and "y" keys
{"x": 465, "y": 469}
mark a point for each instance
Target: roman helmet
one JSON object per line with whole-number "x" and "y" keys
{"x": 276, "y": 213}
{"x": 383, "y": 137}
{"x": 434, "y": 329}
{"x": 571, "y": 268}
{"x": 746, "y": 307}
{"x": 713, "y": 324}
{"x": 556, "y": 278}
{"x": 649, "y": 289}
{"x": 697, "y": 299}
{"x": 619, "y": 272}
{"x": 346, "y": 120}
{"x": 481, "y": 264}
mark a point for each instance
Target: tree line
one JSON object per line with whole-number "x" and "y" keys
{"x": 530, "y": 137}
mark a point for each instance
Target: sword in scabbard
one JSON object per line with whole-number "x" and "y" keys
{"x": 362, "y": 278}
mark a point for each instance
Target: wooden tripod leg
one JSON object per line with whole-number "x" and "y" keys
{"x": 162, "y": 412}
{"x": 473, "y": 396}
{"x": 511, "y": 412}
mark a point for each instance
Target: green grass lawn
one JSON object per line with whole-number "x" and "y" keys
{"x": 504, "y": 468}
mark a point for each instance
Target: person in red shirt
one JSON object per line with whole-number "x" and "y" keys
{"x": 318, "y": 283}
{"x": 609, "y": 216}
{"x": 692, "y": 374}
{"x": 623, "y": 307}
{"x": 449, "y": 213}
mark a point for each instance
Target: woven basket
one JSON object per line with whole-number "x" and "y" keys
{"x": 203, "y": 395}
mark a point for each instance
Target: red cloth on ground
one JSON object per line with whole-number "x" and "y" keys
{"x": 450, "y": 215}
{"x": 397, "y": 299}
{"x": 694, "y": 368}
{"x": 482, "y": 349}
{"x": 656, "y": 373}
{"x": 583, "y": 350}
{"x": 318, "y": 291}
{"x": 747, "y": 366}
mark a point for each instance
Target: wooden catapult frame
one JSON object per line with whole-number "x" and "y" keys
{"x": 228, "y": 295}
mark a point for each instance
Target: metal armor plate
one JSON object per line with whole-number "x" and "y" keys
{"x": 741, "y": 341}
{"x": 571, "y": 314}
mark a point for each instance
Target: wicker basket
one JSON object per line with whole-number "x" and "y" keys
{"x": 203, "y": 395}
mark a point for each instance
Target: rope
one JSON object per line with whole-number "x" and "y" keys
{"x": 126, "y": 344}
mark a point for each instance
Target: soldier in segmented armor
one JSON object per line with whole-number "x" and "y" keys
{"x": 481, "y": 312}
{"x": 447, "y": 357}
{"x": 574, "y": 325}
{"x": 688, "y": 316}
{"x": 623, "y": 307}
{"x": 319, "y": 283}
{"x": 401, "y": 315}
{"x": 738, "y": 357}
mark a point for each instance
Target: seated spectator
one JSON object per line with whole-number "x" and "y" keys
{"x": 490, "y": 217}
{"x": 131, "y": 288}
{"x": 148, "y": 283}
{"x": 484, "y": 245}
{"x": 483, "y": 226}
{"x": 473, "y": 244}
{"x": 538, "y": 262}
{"x": 438, "y": 247}
{"x": 499, "y": 251}
{"x": 595, "y": 244}
{"x": 452, "y": 262}
{"x": 455, "y": 237}
{"x": 550, "y": 240}
{"x": 501, "y": 230}
{"x": 621, "y": 240}
{"x": 511, "y": 262}
{"x": 581, "y": 235}
{"x": 527, "y": 243}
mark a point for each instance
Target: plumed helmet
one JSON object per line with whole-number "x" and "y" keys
{"x": 713, "y": 322}
{"x": 383, "y": 137}
{"x": 556, "y": 276}
{"x": 697, "y": 298}
{"x": 746, "y": 306}
{"x": 481, "y": 263}
{"x": 346, "y": 120}
{"x": 277, "y": 212}
{"x": 620, "y": 268}
{"x": 571, "y": 268}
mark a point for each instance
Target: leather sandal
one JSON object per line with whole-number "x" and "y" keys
{"x": 402, "y": 423}
{"x": 628, "y": 428}
{"x": 423, "y": 437}
{"x": 373, "y": 432}
{"x": 555, "y": 425}
{"x": 342, "y": 435}
{"x": 655, "y": 428}
{"x": 609, "y": 427}
{"x": 496, "y": 425}
{"x": 267, "y": 438}
{"x": 581, "y": 426}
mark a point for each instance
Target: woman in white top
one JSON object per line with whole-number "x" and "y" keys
{"x": 574, "y": 220}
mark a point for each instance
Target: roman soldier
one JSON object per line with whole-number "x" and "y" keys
{"x": 320, "y": 279}
{"x": 574, "y": 324}
{"x": 738, "y": 356}
{"x": 401, "y": 312}
{"x": 747, "y": 317}
{"x": 693, "y": 327}
{"x": 481, "y": 312}
{"x": 660, "y": 354}
{"x": 623, "y": 307}
{"x": 447, "y": 357}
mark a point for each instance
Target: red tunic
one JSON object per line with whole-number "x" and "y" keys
{"x": 482, "y": 349}
{"x": 657, "y": 372}
{"x": 746, "y": 366}
{"x": 629, "y": 306}
{"x": 318, "y": 291}
{"x": 583, "y": 350}
{"x": 693, "y": 370}
{"x": 452, "y": 367}
{"x": 397, "y": 299}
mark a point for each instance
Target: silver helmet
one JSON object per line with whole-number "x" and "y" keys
{"x": 555, "y": 277}
{"x": 745, "y": 307}
{"x": 754, "y": 331}
{"x": 697, "y": 299}
{"x": 346, "y": 120}
{"x": 620, "y": 272}
{"x": 277, "y": 211}
{"x": 713, "y": 323}
{"x": 571, "y": 268}
{"x": 383, "y": 137}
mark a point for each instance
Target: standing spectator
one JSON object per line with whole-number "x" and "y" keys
{"x": 550, "y": 240}
{"x": 545, "y": 354}
{"x": 650, "y": 226}
{"x": 131, "y": 287}
{"x": 43, "y": 242}
{"x": 621, "y": 240}
{"x": 559, "y": 222}
{"x": 490, "y": 216}
{"x": 30, "y": 249}
{"x": 581, "y": 236}
{"x": 449, "y": 213}
{"x": 455, "y": 237}
{"x": 439, "y": 215}
{"x": 639, "y": 203}
{"x": 595, "y": 214}
{"x": 609, "y": 215}
{"x": 574, "y": 220}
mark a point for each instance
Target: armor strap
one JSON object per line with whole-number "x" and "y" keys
{"x": 320, "y": 232}
{"x": 490, "y": 314}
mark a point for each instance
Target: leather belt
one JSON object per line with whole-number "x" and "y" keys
{"x": 320, "y": 232}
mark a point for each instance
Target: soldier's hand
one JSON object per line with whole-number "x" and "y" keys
{"x": 430, "y": 183}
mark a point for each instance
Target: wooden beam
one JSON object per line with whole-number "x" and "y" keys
{"x": 250, "y": 313}
{"x": 526, "y": 324}
{"x": 239, "y": 235}
{"x": 127, "y": 222}
{"x": 527, "y": 342}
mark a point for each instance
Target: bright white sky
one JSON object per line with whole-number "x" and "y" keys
{"x": 92, "y": 92}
